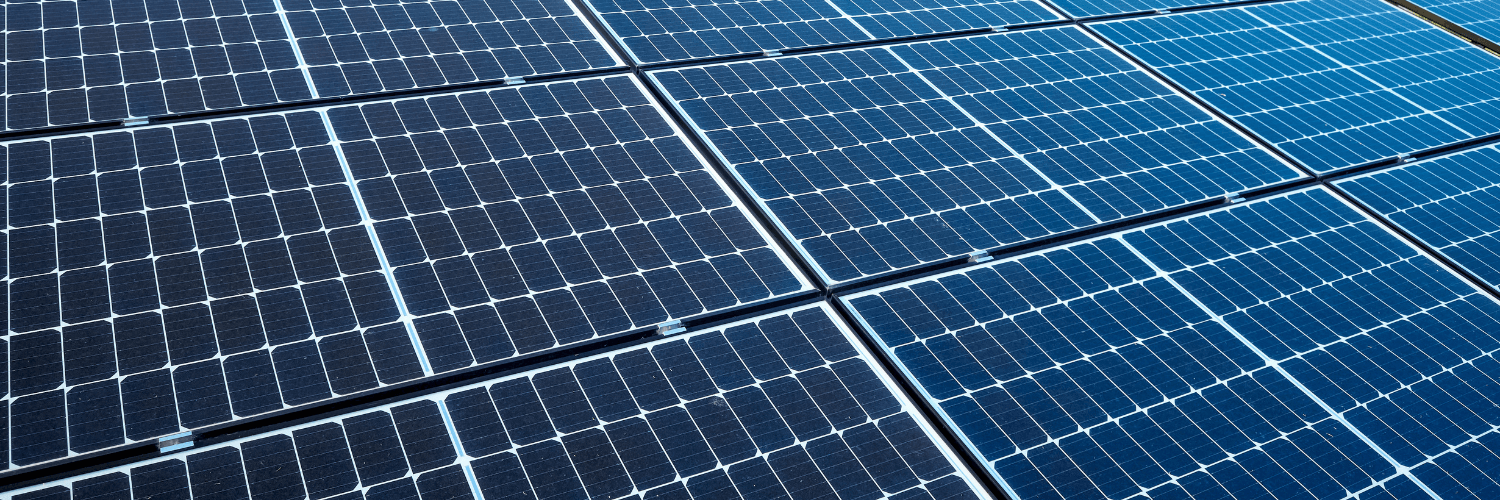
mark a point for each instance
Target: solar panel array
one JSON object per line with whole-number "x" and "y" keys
{"x": 883, "y": 159}
{"x": 1332, "y": 84}
{"x": 1289, "y": 347}
{"x": 721, "y": 413}
{"x": 231, "y": 263}
{"x": 70, "y": 62}
{"x": 381, "y": 264}
{"x": 1447, "y": 203}
{"x": 656, "y": 32}
{"x": 528, "y": 218}
{"x": 358, "y": 48}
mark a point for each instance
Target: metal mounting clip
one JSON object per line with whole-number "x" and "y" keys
{"x": 135, "y": 122}
{"x": 1232, "y": 198}
{"x": 670, "y": 328}
{"x": 1403, "y": 158}
{"x": 980, "y": 256}
{"x": 771, "y": 53}
{"x": 514, "y": 80}
{"x": 1163, "y": 11}
{"x": 179, "y": 441}
{"x": 999, "y": 29}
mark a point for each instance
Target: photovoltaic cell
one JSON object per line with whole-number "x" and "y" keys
{"x": 353, "y": 47}
{"x": 539, "y": 216}
{"x": 170, "y": 278}
{"x": 69, "y": 63}
{"x": 1333, "y": 84}
{"x": 1448, "y": 203}
{"x": 1482, "y": 18}
{"x": 1285, "y": 348}
{"x": 655, "y": 32}
{"x": 777, "y": 406}
{"x": 883, "y": 159}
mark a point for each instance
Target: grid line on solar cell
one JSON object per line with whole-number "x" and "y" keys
{"x": 655, "y": 32}
{"x": 1146, "y": 338}
{"x": 1085, "y": 9}
{"x": 117, "y": 59}
{"x": 1481, "y": 18}
{"x": 876, "y": 160}
{"x": 1333, "y": 84}
{"x": 1446, "y": 203}
{"x": 784, "y": 403}
{"x": 533, "y": 217}
{"x": 169, "y": 278}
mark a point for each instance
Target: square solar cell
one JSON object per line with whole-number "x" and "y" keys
{"x": 164, "y": 279}
{"x": 1333, "y": 84}
{"x": 877, "y": 160}
{"x": 354, "y": 47}
{"x": 658, "y": 32}
{"x": 1285, "y": 348}
{"x": 540, "y": 216}
{"x": 71, "y": 62}
{"x": 826, "y": 423}
{"x": 1447, "y": 203}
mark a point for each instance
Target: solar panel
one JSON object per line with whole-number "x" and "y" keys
{"x": 352, "y": 47}
{"x": 1333, "y": 84}
{"x": 876, "y": 160}
{"x": 221, "y": 262}
{"x": 523, "y": 219}
{"x": 1085, "y": 9}
{"x": 1284, "y": 348}
{"x": 100, "y": 61}
{"x": 1447, "y": 203}
{"x": 653, "y": 32}
{"x": 231, "y": 265}
{"x": 72, "y": 63}
{"x": 780, "y": 404}
{"x": 1482, "y": 18}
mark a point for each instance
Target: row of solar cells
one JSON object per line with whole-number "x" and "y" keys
{"x": 782, "y": 404}
{"x": 171, "y": 278}
{"x": 69, "y": 63}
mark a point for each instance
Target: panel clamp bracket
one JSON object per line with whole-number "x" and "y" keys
{"x": 1403, "y": 158}
{"x": 771, "y": 53}
{"x": 1232, "y": 198}
{"x": 980, "y": 256}
{"x": 1163, "y": 11}
{"x": 999, "y": 29}
{"x": 179, "y": 441}
{"x": 670, "y": 328}
{"x": 514, "y": 80}
{"x": 135, "y": 122}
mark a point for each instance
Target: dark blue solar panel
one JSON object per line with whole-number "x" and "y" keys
{"x": 358, "y": 48}
{"x": 1083, "y": 9}
{"x": 69, "y": 62}
{"x": 170, "y": 278}
{"x": 658, "y": 32}
{"x": 527, "y": 218}
{"x": 883, "y": 159}
{"x": 1286, "y": 348}
{"x": 828, "y": 425}
{"x": 1447, "y": 203}
{"x": 1333, "y": 84}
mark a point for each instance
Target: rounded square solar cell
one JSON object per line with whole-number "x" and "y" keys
{"x": 877, "y": 160}
{"x": 70, "y": 62}
{"x": 1334, "y": 84}
{"x": 1288, "y": 347}
{"x": 787, "y": 404}
{"x": 656, "y": 33}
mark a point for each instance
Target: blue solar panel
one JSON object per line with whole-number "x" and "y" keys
{"x": 776, "y": 406}
{"x": 1447, "y": 203}
{"x": 1084, "y": 9}
{"x": 876, "y": 160}
{"x": 655, "y": 32}
{"x": 528, "y": 218}
{"x": 1333, "y": 84}
{"x": 68, "y": 63}
{"x": 352, "y": 47}
{"x": 1481, "y": 18}
{"x": 1285, "y": 348}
